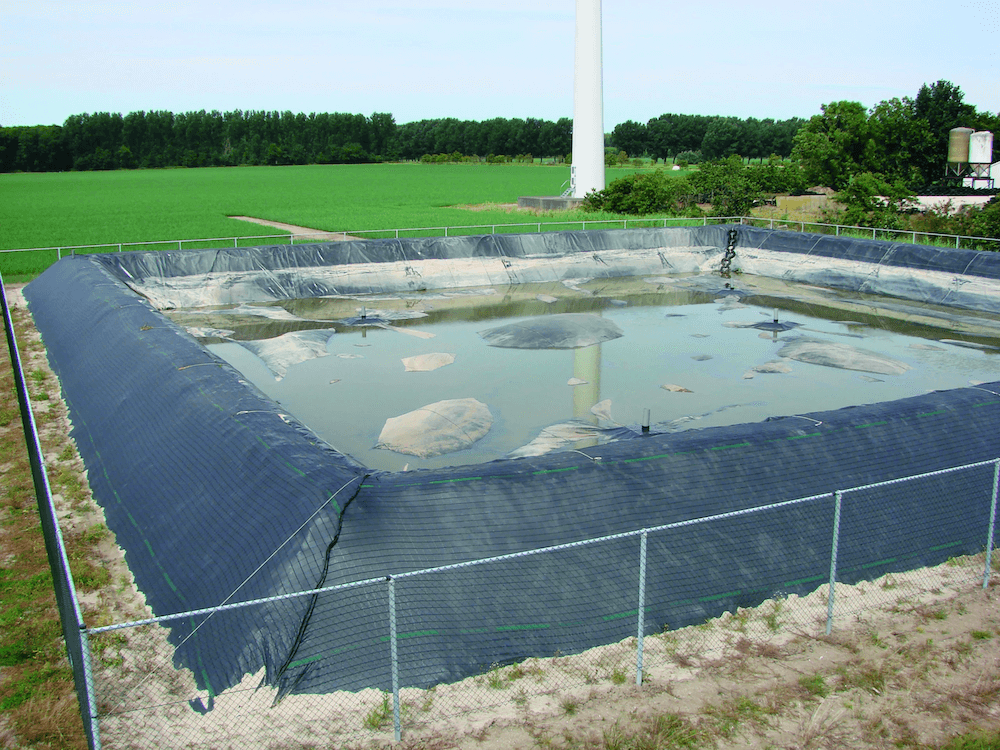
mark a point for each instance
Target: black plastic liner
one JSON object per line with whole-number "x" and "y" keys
{"x": 216, "y": 497}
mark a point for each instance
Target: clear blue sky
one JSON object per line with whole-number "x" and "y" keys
{"x": 475, "y": 60}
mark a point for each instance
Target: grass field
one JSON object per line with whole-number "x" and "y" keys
{"x": 91, "y": 208}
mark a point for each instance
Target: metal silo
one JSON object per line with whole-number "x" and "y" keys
{"x": 958, "y": 145}
{"x": 981, "y": 147}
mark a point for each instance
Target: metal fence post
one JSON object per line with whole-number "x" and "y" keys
{"x": 397, "y": 729}
{"x": 92, "y": 722}
{"x": 993, "y": 519}
{"x": 642, "y": 608}
{"x": 833, "y": 560}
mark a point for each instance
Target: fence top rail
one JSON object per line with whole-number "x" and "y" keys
{"x": 326, "y": 232}
{"x": 528, "y": 553}
{"x": 801, "y": 222}
{"x": 751, "y": 220}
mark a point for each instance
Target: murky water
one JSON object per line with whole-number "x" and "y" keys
{"x": 679, "y": 333}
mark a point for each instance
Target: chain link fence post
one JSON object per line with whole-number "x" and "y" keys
{"x": 92, "y": 722}
{"x": 833, "y": 560}
{"x": 642, "y": 608}
{"x": 393, "y": 656}
{"x": 993, "y": 518}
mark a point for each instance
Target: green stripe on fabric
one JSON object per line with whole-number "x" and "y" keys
{"x": 169, "y": 582}
{"x": 727, "y": 447}
{"x": 870, "y": 424}
{"x": 945, "y": 546}
{"x": 647, "y": 458}
{"x": 555, "y": 471}
{"x": 620, "y": 615}
{"x": 933, "y": 413}
{"x": 537, "y": 626}
{"x": 877, "y": 563}
{"x": 208, "y": 684}
{"x": 450, "y": 481}
{"x": 799, "y": 437}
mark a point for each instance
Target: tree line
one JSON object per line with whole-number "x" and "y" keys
{"x": 105, "y": 140}
{"x": 694, "y": 138}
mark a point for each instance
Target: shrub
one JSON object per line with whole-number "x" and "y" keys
{"x": 688, "y": 157}
{"x": 641, "y": 194}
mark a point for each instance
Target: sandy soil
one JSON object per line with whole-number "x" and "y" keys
{"x": 913, "y": 659}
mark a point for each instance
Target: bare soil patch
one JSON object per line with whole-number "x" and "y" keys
{"x": 320, "y": 235}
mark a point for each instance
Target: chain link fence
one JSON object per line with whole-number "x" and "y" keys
{"x": 141, "y": 698}
{"x": 892, "y": 235}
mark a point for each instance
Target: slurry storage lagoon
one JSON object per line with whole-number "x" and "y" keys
{"x": 213, "y": 487}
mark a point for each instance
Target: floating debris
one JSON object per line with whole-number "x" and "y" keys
{"x": 562, "y": 331}
{"x": 563, "y": 435}
{"x": 602, "y": 410}
{"x": 427, "y": 362}
{"x": 289, "y": 349}
{"x": 775, "y": 366}
{"x": 436, "y": 429}
{"x": 201, "y": 332}
{"x": 548, "y": 299}
{"x": 842, "y": 356}
{"x": 675, "y": 388}
{"x": 577, "y": 381}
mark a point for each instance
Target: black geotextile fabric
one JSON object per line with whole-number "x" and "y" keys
{"x": 168, "y": 263}
{"x": 879, "y": 252}
{"x": 217, "y": 497}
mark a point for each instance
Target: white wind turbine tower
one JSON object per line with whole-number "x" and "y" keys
{"x": 587, "y": 171}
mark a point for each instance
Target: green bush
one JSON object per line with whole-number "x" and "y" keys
{"x": 642, "y": 194}
{"x": 688, "y": 157}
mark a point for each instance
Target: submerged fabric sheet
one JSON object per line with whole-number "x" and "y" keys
{"x": 218, "y": 496}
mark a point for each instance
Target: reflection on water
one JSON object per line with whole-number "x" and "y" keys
{"x": 677, "y": 332}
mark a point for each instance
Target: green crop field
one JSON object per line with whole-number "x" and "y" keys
{"x": 52, "y": 210}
